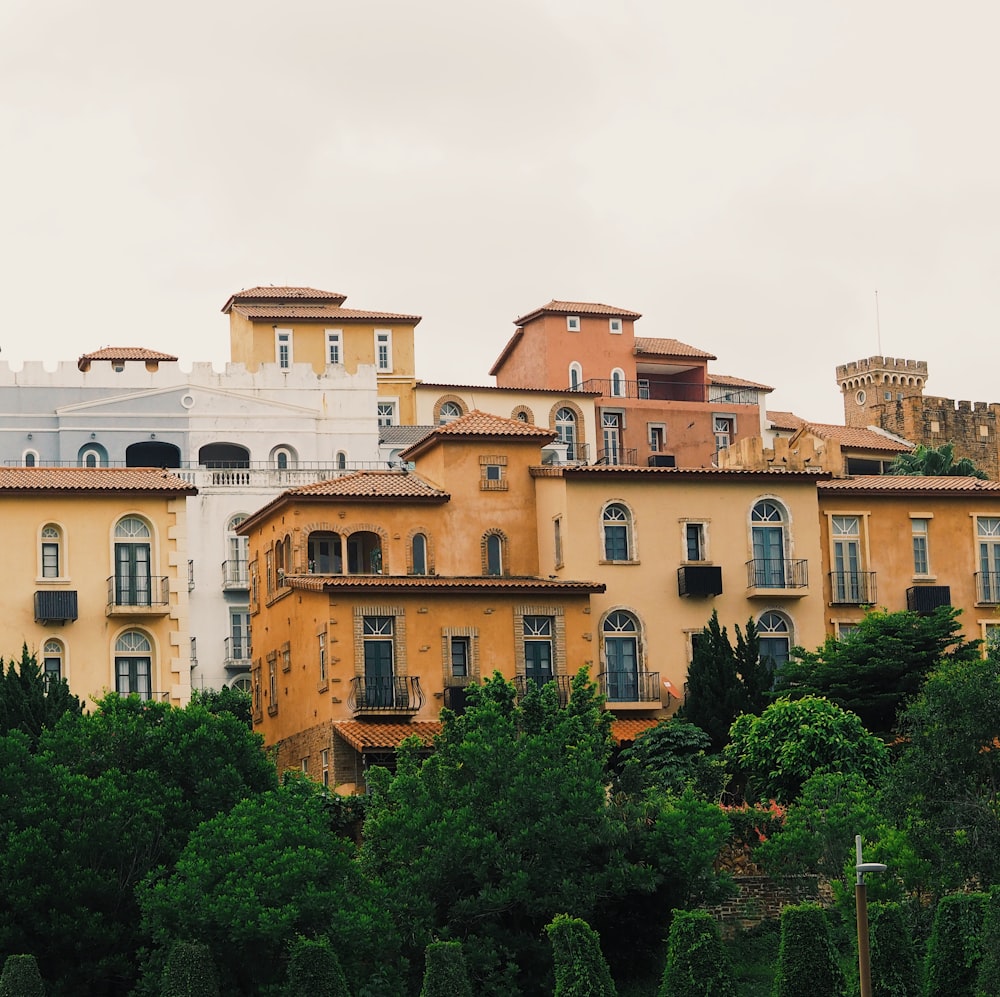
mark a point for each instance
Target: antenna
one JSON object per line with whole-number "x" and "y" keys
{"x": 878, "y": 327}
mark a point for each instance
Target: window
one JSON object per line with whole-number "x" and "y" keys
{"x": 988, "y": 532}
{"x": 286, "y": 657}
{"x": 449, "y": 412}
{"x": 618, "y": 383}
{"x": 30, "y": 458}
{"x": 419, "y": 554}
{"x": 657, "y": 438}
{"x": 51, "y": 551}
{"x": 694, "y": 541}
{"x": 722, "y": 426}
{"x": 234, "y": 570}
{"x": 615, "y": 326}
{"x": 844, "y": 630}
{"x": 321, "y": 639}
{"x": 767, "y": 532}
{"x": 52, "y": 661}
{"x": 91, "y": 458}
{"x": 493, "y": 548}
{"x": 538, "y": 648}
{"x": 459, "y": 657}
{"x": 566, "y": 430}
{"x": 364, "y": 553}
{"x": 848, "y": 582}
{"x": 860, "y": 397}
{"x": 133, "y": 665}
{"x": 272, "y": 682}
{"x": 305, "y": 765}
{"x": 341, "y": 460}
{"x": 617, "y": 524}
{"x": 324, "y": 763}
{"x": 283, "y": 458}
{"x": 239, "y": 635}
{"x": 575, "y": 376}
{"x": 919, "y": 528}
{"x": 643, "y": 390}
{"x": 283, "y": 348}
{"x": 557, "y": 541}
{"x": 492, "y": 473}
{"x": 333, "y": 346}
{"x": 611, "y": 429}
{"x": 775, "y": 641}
{"x": 621, "y": 652}
{"x": 377, "y": 633}
{"x": 573, "y": 323}
{"x": 323, "y": 550}
{"x": 383, "y": 350}
{"x": 133, "y": 580}
{"x": 387, "y": 413}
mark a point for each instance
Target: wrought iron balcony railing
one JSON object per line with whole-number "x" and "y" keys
{"x": 777, "y": 573}
{"x": 853, "y": 588}
{"x": 389, "y": 694}
{"x": 235, "y": 575}
{"x": 988, "y": 587}
{"x": 146, "y": 592}
{"x": 630, "y": 687}
{"x": 563, "y": 685}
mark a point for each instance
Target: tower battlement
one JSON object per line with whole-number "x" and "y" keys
{"x": 881, "y": 365}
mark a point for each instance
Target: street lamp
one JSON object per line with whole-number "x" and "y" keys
{"x": 861, "y": 905}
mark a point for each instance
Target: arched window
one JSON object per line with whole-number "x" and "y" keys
{"x": 92, "y": 455}
{"x": 29, "y": 458}
{"x": 242, "y": 683}
{"x": 152, "y": 453}
{"x": 133, "y": 664}
{"x": 774, "y": 633}
{"x": 494, "y": 554}
{"x": 223, "y": 455}
{"x": 575, "y": 376}
{"x": 133, "y": 563}
{"x": 324, "y": 553}
{"x": 566, "y": 430}
{"x": 621, "y": 654}
{"x": 341, "y": 460}
{"x": 51, "y": 551}
{"x": 618, "y": 383}
{"x": 617, "y": 528}
{"x": 364, "y": 553}
{"x": 53, "y": 661}
{"x": 419, "y": 554}
{"x": 449, "y": 412}
{"x": 767, "y": 533}
{"x": 234, "y": 570}
{"x": 283, "y": 458}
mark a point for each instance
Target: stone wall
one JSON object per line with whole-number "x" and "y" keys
{"x": 761, "y": 897}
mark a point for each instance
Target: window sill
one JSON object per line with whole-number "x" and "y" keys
{"x": 323, "y": 686}
{"x": 48, "y": 580}
{"x": 278, "y": 596}
{"x": 630, "y": 561}
{"x": 272, "y": 710}
{"x": 925, "y": 578}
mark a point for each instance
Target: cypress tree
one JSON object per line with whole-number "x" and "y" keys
{"x": 445, "y": 974}
{"x": 988, "y": 976}
{"x": 697, "y": 965}
{"x": 893, "y": 963}
{"x": 807, "y": 963}
{"x": 314, "y": 970}
{"x": 21, "y": 978}
{"x": 580, "y": 968}
{"x": 953, "y": 951}
{"x": 189, "y": 972}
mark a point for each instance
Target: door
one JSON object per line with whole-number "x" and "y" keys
{"x": 538, "y": 649}
{"x": 623, "y": 669}
{"x": 769, "y": 556}
{"x": 611, "y": 425}
{"x": 847, "y": 568}
{"x": 133, "y": 583}
{"x": 378, "y": 662}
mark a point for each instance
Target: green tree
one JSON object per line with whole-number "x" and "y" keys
{"x": 673, "y": 756}
{"x": 21, "y": 978}
{"x": 923, "y": 460}
{"x": 893, "y": 963}
{"x": 445, "y": 974}
{"x": 189, "y": 972}
{"x": 314, "y": 970}
{"x": 807, "y": 962}
{"x": 29, "y": 701}
{"x": 697, "y": 964}
{"x": 988, "y": 974}
{"x": 225, "y": 700}
{"x": 955, "y": 946}
{"x": 877, "y": 667}
{"x": 580, "y": 968}
{"x": 795, "y": 739}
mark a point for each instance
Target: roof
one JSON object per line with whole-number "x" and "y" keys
{"x": 565, "y": 391}
{"x": 737, "y": 382}
{"x": 403, "y": 434}
{"x": 387, "y": 736}
{"x": 597, "y": 470}
{"x": 887, "y": 484}
{"x": 477, "y": 425}
{"x": 319, "y": 313}
{"x": 578, "y": 308}
{"x": 669, "y": 348}
{"x": 282, "y": 293}
{"x": 394, "y": 484}
{"x": 871, "y": 438}
{"x": 785, "y": 420}
{"x": 123, "y": 353}
{"x": 453, "y": 584}
{"x": 93, "y": 479}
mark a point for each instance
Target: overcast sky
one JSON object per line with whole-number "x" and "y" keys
{"x": 744, "y": 174}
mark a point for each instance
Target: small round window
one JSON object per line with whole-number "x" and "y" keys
{"x": 860, "y": 397}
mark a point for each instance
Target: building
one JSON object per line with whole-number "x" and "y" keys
{"x": 95, "y": 577}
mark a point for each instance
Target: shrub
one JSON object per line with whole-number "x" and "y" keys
{"x": 954, "y": 948}
{"x": 445, "y": 974}
{"x": 579, "y": 963}
{"x": 988, "y": 977}
{"x": 21, "y": 977}
{"x": 189, "y": 972}
{"x": 893, "y": 963}
{"x": 314, "y": 970}
{"x": 807, "y": 962}
{"x": 696, "y": 966}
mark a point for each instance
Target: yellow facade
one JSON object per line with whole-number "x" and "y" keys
{"x": 95, "y": 579}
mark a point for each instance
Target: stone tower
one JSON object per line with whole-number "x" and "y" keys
{"x": 873, "y": 389}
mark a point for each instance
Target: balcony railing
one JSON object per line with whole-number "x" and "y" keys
{"x": 144, "y": 595}
{"x": 630, "y": 687}
{"x": 651, "y": 389}
{"x": 852, "y": 588}
{"x": 988, "y": 587}
{"x": 390, "y": 694}
{"x": 617, "y": 457}
{"x": 237, "y": 653}
{"x": 235, "y": 575}
{"x": 776, "y": 573}
{"x": 563, "y": 685}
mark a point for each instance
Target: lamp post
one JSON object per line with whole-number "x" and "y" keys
{"x": 861, "y": 905}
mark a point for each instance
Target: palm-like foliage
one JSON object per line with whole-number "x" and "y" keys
{"x": 937, "y": 461}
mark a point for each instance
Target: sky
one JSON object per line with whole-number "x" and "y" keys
{"x": 745, "y": 175}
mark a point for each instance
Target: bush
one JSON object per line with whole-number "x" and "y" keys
{"x": 189, "y": 972}
{"x": 314, "y": 970}
{"x": 445, "y": 974}
{"x": 954, "y": 949}
{"x": 893, "y": 963}
{"x": 988, "y": 977}
{"x": 696, "y": 966}
{"x": 579, "y": 964}
{"x": 807, "y": 962}
{"x": 21, "y": 977}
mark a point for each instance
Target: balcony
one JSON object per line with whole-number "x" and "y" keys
{"x": 772, "y": 577}
{"x": 628, "y": 690}
{"x": 617, "y": 457}
{"x": 235, "y": 576}
{"x": 988, "y": 588}
{"x": 392, "y": 695}
{"x": 563, "y": 686}
{"x": 55, "y": 606}
{"x": 699, "y": 580}
{"x": 852, "y": 588}
{"x": 142, "y": 596}
{"x": 652, "y": 389}
{"x": 237, "y": 656}
{"x": 927, "y": 598}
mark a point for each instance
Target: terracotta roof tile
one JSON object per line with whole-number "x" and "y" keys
{"x": 273, "y": 293}
{"x": 439, "y": 583}
{"x": 578, "y": 308}
{"x": 92, "y": 479}
{"x": 907, "y": 484}
{"x": 372, "y": 484}
{"x": 123, "y": 353}
{"x": 669, "y": 348}
{"x": 325, "y": 313}
{"x": 477, "y": 425}
{"x": 493, "y": 387}
{"x": 581, "y": 470}
{"x": 629, "y": 730}
{"x": 852, "y": 436}
{"x": 737, "y": 382}
{"x": 785, "y": 420}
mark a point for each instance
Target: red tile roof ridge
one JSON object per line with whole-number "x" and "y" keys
{"x": 51, "y": 478}
{"x": 669, "y": 348}
{"x": 557, "y": 307}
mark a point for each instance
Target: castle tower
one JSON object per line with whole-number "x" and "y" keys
{"x": 872, "y": 387}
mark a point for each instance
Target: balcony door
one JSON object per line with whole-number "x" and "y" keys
{"x": 133, "y": 579}
{"x": 847, "y": 559}
{"x": 538, "y": 649}
{"x": 767, "y": 534}
{"x": 378, "y": 661}
{"x": 621, "y": 651}
{"x": 611, "y": 426}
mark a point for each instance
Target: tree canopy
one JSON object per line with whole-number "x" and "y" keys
{"x": 923, "y": 460}
{"x": 29, "y": 700}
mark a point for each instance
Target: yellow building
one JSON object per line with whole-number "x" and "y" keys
{"x": 95, "y": 577}
{"x": 290, "y": 325}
